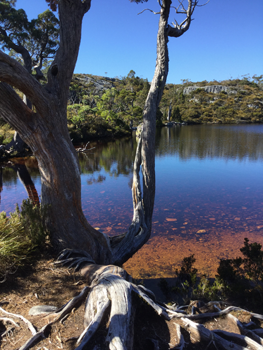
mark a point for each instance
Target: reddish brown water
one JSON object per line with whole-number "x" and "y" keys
{"x": 209, "y": 194}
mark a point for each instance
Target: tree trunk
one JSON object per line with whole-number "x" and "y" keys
{"x": 46, "y": 134}
{"x": 149, "y": 113}
{"x": 61, "y": 190}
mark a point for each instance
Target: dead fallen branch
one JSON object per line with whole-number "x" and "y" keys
{"x": 28, "y": 323}
{"x": 112, "y": 298}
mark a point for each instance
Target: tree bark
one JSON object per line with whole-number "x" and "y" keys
{"x": 149, "y": 114}
{"x": 124, "y": 246}
{"x": 46, "y": 134}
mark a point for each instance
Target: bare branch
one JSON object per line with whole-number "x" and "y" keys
{"x": 203, "y": 4}
{"x": 180, "y": 4}
{"x": 175, "y": 25}
{"x": 180, "y": 29}
{"x": 159, "y": 1}
{"x": 156, "y": 13}
{"x": 86, "y": 5}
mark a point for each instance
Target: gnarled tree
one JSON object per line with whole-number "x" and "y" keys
{"x": 44, "y": 129}
{"x": 32, "y": 43}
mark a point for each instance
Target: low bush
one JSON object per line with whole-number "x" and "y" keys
{"x": 21, "y": 234}
{"x": 239, "y": 280}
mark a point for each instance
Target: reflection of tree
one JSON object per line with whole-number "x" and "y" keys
{"x": 99, "y": 179}
{"x": 9, "y": 176}
{"x": 26, "y": 180}
{"x": 20, "y": 171}
{"x": 235, "y": 142}
{"x": 115, "y": 157}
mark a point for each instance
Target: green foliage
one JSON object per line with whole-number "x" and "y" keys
{"x": 39, "y": 37}
{"x": 21, "y": 234}
{"x": 105, "y": 107}
{"x": 186, "y": 278}
{"x": 202, "y": 107}
{"x": 108, "y": 111}
{"x": 190, "y": 286}
{"x": 6, "y": 134}
{"x": 244, "y": 275}
{"x": 240, "y": 279}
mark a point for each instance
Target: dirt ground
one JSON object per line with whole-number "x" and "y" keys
{"x": 43, "y": 284}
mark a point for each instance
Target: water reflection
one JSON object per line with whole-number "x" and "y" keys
{"x": 209, "y": 193}
{"x": 202, "y": 141}
{"x": 17, "y": 169}
{"x": 113, "y": 157}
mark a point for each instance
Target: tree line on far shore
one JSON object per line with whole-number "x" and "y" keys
{"x": 105, "y": 107}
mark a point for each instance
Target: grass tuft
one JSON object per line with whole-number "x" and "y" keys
{"x": 21, "y": 234}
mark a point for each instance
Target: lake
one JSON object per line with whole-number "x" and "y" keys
{"x": 209, "y": 194}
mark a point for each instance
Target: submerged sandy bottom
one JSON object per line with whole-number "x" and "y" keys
{"x": 161, "y": 256}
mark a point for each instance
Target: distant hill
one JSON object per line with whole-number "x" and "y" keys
{"x": 229, "y": 101}
{"x": 108, "y": 107}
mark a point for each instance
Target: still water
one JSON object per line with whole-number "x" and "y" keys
{"x": 209, "y": 194}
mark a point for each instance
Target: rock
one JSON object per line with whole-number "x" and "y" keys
{"x": 42, "y": 309}
{"x": 215, "y": 89}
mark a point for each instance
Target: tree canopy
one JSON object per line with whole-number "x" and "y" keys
{"x": 33, "y": 42}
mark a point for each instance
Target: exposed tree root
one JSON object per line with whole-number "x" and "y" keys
{"x": 181, "y": 344}
{"x": 43, "y": 333}
{"x": 28, "y": 323}
{"x": 244, "y": 331}
{"x": 111, "y": 302}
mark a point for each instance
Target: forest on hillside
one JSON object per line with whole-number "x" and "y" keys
{"x": 105, "y": 107}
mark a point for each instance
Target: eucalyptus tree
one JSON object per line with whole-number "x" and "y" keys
{"x": 32, "y": 43}
{"x": 44, "y": 129}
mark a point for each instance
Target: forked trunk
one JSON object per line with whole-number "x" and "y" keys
{"x": 47, "y": 135}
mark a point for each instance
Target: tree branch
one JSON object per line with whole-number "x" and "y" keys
{"x": 16, "y": 75}
{"x": 202, "y": 4}
{"x": 15, "y": 111}
{"x": 19, "y": 49}
{"x": 86, "y": 5}
{"x": 180, "y": 29}
{"x": 156, "y": 13}
{"x": 62, "y": 68}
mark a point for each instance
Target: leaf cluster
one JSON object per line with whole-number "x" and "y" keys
{"x": 39, "y": 37}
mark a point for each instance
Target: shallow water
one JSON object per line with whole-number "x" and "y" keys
{"x": 209, "y": 194}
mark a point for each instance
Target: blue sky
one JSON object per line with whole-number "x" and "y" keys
{"x": 225, "y": 40}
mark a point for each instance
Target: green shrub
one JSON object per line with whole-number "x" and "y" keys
{"x": 244, "y": 275}
{"x": 21, "y": 234}
{"x": 239, "y": 280}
